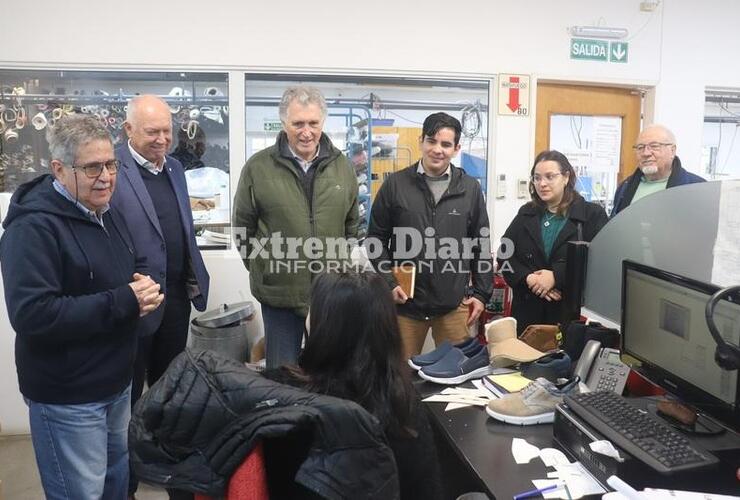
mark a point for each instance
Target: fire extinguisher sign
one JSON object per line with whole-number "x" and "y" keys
{"x": 513, "y": 95}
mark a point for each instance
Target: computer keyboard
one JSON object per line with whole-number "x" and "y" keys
{"x": 639, "y": 434}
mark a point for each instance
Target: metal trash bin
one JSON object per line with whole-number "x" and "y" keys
{"x": 223, "y": 330}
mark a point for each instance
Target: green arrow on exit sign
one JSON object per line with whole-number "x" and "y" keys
{"x": 618, "y": 52}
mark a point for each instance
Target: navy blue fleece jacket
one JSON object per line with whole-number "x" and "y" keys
{"x": 66, "y": 289}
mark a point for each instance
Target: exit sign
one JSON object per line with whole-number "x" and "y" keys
{"x": 589, "y": 49}
{"x": 272, "y": 125}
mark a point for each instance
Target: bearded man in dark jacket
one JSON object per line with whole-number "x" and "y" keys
{"x": 658, "y": 168}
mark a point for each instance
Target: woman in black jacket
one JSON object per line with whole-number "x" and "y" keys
{"x": 533, "y": 249}
{"x": 353, "y": 351}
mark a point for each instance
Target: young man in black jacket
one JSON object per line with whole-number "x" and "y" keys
{"x": 433, "y": 215}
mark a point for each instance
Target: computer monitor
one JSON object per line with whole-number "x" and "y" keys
{"x": 665, "y": 338}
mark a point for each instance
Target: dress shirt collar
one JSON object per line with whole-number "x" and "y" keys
{"x": 143, "y": 162}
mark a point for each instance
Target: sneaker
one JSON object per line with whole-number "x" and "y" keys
{"x": 552, "y": 366}
{"x": 535, "y": 404}
{"x": 455, "y": 367}
{"x": 467, "y": 346}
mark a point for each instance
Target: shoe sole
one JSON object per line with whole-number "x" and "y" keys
{"x": 414, "y": 365}
{"x": 543, "y": 418}
{"x": 459, "y": 379}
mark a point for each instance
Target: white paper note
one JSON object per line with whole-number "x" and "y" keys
{"x": 605, "y": 447}
{"x": 552, "y": 457}
{"x": 523, "y": 451}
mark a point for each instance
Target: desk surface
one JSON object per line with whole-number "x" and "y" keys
{"x": 484, "y": 445}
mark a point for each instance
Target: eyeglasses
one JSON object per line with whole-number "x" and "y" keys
{"x": 93, "y": 170}
{"x": 653, "y": 146}
{"x": 548, "y": 178}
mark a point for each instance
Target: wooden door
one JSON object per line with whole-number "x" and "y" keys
{"x": 407, "y": 151}
{"x": 557, "y": 99}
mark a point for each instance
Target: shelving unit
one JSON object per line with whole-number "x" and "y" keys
{"x": 30, "y": 101}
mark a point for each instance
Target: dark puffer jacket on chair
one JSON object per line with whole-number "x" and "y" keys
{"x": 194, "y": 427}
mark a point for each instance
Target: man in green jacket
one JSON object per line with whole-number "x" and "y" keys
{"x": 295, "y": 216}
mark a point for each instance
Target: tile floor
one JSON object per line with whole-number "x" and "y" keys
{"x": 20, "y": 477}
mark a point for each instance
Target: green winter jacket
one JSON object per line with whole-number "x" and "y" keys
{"x": 270, "y": 199}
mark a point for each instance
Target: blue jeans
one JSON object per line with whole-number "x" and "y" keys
{"x": 283, "y": 335}
{"x": 82, "y": 449}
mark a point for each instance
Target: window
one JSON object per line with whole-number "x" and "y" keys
{"x": 31, "y": 100}
{"x": 720, "y": 142}
{"x": 377, "y": 122}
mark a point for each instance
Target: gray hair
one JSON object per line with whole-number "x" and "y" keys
{"x": 304, "y": 94}
{"x": 72, "y": 131}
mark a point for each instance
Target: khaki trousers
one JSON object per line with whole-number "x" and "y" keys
{"x": 451, "y": 326}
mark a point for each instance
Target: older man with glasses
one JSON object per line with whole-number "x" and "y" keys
{"x": 75, "y": 291}
{"x": 153, "y": 197}
{"x": 658, "y": 168}
{"x": 300, "y": 190}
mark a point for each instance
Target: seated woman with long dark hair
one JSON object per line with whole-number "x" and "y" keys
{"x": 533, "y": 249}
{"x": 353, "y": 351}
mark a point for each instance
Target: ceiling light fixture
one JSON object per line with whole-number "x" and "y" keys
{"x": 598, "y": 32}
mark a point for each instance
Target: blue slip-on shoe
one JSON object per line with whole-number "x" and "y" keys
{"x": 431, "y": 357}
{"x": 450, "y": 357}
{"x": 456, "y": 367}
{"x": 551, "y": 366}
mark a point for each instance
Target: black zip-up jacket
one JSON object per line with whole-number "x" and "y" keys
{"x": 66, "y": 288}
{"x": 406, "y": 202}
{"x": 197, "y": 424}
{"x": 584, "y": 220}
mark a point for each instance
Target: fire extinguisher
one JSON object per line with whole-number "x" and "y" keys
{"x": 498, "y": 305}
{"x": 501, "y": 297}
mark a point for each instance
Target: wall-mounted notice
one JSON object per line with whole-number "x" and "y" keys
{"x": 513, "y": 95}
{"x": 592, "y": 145}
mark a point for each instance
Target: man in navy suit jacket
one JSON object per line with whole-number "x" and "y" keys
{"x": 153, "y": 197}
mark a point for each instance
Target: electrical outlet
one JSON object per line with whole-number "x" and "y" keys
{"x": 649, "y": 5}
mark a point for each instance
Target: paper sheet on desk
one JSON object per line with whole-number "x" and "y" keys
{"x": 605, "y": 447}
{"x": 467, "y": 391}
{"x": 552, "y": 457}
{"x": 726, "y": 263}
{"x": 578, "y": 480}
{"x": 459, "y": 397}
{"x": 456, "y": 398}
{"x": 523, "y": 451}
